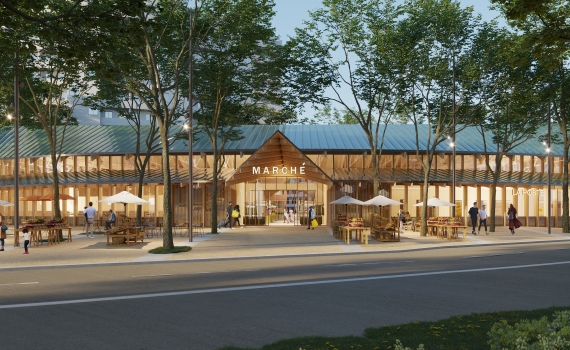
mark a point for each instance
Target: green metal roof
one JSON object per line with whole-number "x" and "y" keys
{"x": 108, "y": 140}
{"x": 337, "y": 175}
{"x": 111, "y": 177}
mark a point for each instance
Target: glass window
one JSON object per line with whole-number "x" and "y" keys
{"x": 108, "y": 115}
{"x": 93, "y": 111}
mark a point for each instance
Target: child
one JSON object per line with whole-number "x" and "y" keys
{"x": 26, "y": 240}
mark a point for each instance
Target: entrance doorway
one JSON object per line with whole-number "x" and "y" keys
{"x": 280, "y": 200}
{"x": 286, "y": 207}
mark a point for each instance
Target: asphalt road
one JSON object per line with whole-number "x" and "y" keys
{"x": 252, "y": 302}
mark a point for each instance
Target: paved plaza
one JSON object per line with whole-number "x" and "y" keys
{"x": 255, "y": 241}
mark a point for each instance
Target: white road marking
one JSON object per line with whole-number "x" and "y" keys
{"x": 486, "y": 256}
{"x": 276, "y": 285}
{"x": 374, "y": 263}
{"x": 16, "y": 284}
{"x": 191, "y": 273}
{"x": 160, "y": 275}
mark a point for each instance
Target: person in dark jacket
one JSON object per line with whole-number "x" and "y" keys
{"x": 474, "y": 213}
{"x": 512, "y": 217}
{"x": 229, "y": 215}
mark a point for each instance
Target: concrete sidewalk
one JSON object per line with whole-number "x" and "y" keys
{"x": 252, "y": 241}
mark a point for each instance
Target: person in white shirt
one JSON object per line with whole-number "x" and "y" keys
{"x": 90, "y": 213}
{"x": 483, "y": 218}
{"x": 26, "y": 236}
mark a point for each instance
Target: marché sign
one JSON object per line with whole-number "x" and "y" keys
{"x": 279, "y": 170}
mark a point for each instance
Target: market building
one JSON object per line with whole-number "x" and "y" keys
{"x": 275, "y": 169}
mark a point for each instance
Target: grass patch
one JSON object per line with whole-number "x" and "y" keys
{"x": 459, "y": 332}
{"x": 161, "y": 250}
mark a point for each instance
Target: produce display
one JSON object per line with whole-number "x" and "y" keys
{"x": 441, "y": 220}
{"x": 355, "y": 222}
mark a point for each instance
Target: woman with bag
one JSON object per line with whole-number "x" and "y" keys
{"x": 3, "y": 229}
{"x": 513, "y": 221}
{"x": 236, "y": 215}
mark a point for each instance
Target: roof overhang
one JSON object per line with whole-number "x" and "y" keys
{"x": 278, "y": 157}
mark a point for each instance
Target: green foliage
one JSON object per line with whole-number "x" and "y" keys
{"x": 545, "y": 24}
{"x": 162, "y": 250}
{"x": 329, "y": 115}
{"x": 458, "y": 333}
{"x": 540, "y": 334}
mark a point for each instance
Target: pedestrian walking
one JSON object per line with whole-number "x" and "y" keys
{"x": 229, "y": 215}
{"x": 90, "y": 213}
{"x": 26, "y": 237}
{"x": 483, "y": 219}
{"x": 401, "y": 220}
{"x": 513, "y": 220}
{"x": 311, "y": 216}
{"x": 3, "y": 230}
{"x": 236, "y": 214}
{"x": 474, "y": 212}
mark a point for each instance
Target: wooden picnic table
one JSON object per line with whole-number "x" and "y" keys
{"x": 362, "y": 234}
{"x": 447, "y": 231}
{"x": 36, "y": 234}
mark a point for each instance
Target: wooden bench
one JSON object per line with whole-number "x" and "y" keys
{"x": 125, "y": 235}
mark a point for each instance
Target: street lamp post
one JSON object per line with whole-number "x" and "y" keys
{"x": 453, "y": 147}
{"x": 549, "y": 157}
{"x": 189, "y": 127}
{"x": 16, "y": 141}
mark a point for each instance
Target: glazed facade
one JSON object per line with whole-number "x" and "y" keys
{"x": 278, "y": 174}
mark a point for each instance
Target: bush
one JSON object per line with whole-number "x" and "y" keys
{"x": 535, "y": 334}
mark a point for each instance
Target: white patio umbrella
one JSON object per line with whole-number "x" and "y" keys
{"x": 381, "y": 200}
{"x": 125, "y": 198}
{"x": 435, "y": 202}
{"x": 346, "y": 200}
{"x": 5, "y": 204}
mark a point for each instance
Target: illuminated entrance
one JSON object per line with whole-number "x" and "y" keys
{"x": 282, "y": 201}
{"x": 278, "y": 184}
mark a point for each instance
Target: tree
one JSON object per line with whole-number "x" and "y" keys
{"x": 437, "y": 33}
{"x": 349, "y": 45}
{"x": 546, "y": 32}
{"x": 147, "y": 55}
{"x": 129, "y": 106}
{"x": 51, "y": 86}
{"x": 237, "y": 70}
{"x": 545, "y": 23}
{"x": 510, "y": 85}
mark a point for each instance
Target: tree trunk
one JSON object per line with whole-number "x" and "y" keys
{"x": 140, "y": 194}
{"x": 423, "y": 232}
{"x": 167, "y": 242}
{"x": 214, "y": 217}
{"x": 57, "y": 209}
{"x": 564, "y": 130}
{"x": 492, "y": 205}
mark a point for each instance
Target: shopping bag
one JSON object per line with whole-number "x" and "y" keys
{"x": 314, "y": 223}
